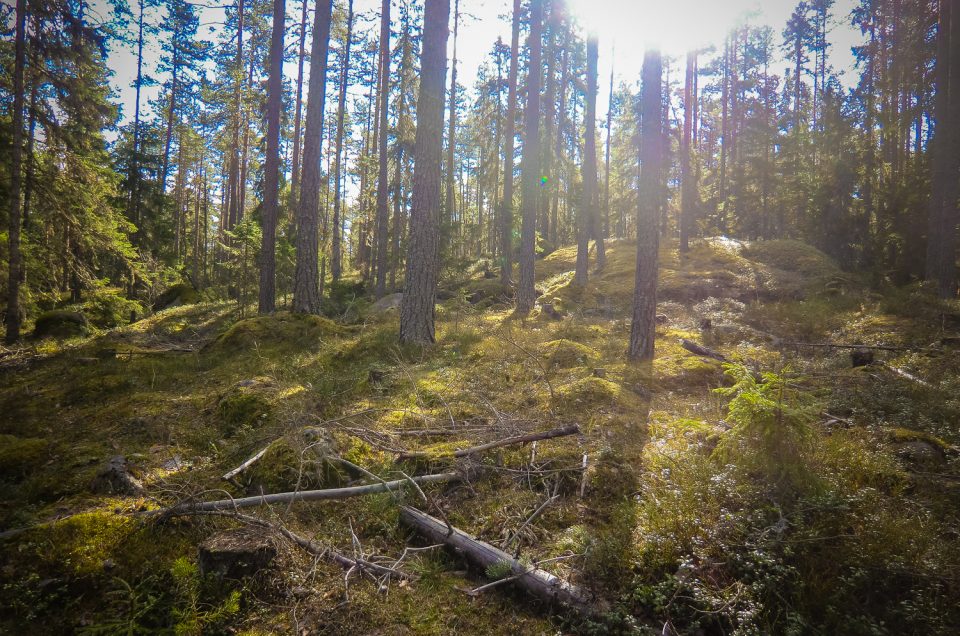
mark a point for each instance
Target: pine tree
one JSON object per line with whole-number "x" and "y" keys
{"x": 643, "y": 325}
{"x": 530, "y": 165}
{"x": 420, "y": 281}
{"x": 306, "y": 280}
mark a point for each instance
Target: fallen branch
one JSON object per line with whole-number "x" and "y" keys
{"x": 830, "y": 345}
{"x": 312, "y": 547}
{"x": 906, "y": 376}
{"x": 535, "y": 581}
{"x": 248, "y": 463}
{"x": 303, "y": 495}
{"x": 573, "y": 429}
{"x": 700, "y": 350}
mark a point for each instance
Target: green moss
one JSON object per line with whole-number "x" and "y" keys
{"x": 904, "y": 435}
{"x": 243, "y": 408}
{"x": 175, "y": 296}
{"x": 591, "y": 391}
{"x": 81, "y": 543}
{"x": 61, "y": 324}
{"x": 18, "y": 455}
{"x": 280, "y": 330}
{"x": 565, "y": 354}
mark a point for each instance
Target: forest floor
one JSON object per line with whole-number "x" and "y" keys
{"x": 838, "y": 515}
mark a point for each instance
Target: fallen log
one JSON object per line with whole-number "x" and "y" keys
{"x": 830, "y": 345}
{"x": 301, "y": 495}
{"x": 573, "y": 429}
{"x": 535, "y": 581}
{"x": 700, "y": 350}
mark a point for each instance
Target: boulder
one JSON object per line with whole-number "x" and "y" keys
{"x": 60, "y": 324}
{"x": 115, "y": 478}
{"x": 388, "y": 302}
{"x": 175, "y": 296}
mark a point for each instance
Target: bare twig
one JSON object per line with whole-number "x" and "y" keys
{"x": 573, "y": 429}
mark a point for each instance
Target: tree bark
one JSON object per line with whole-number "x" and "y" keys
{"x": 383, "y": 185}
{"x": 298, "y": 114}
{"x": 586, "y": 213}
{"x": 643, "y": 327}
{"x": 535, "y": 581}
{"x": 15, "y": 265}
{"x": 506, "y": 204}
{"x": 446, "y": 223}
{"x": 306, "y": 279}
{"x": 530, "y": 165}
{"x": 687, "y": 191}
{"x": 420, "y": 280}
{"x": 336, "y": 244}
{"x": 271, "y": 176}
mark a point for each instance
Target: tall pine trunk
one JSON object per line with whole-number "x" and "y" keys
{"x": 420, "y": 280}
{"x": 506, "y": 204}
{"x": 687, "y": 191}
{"x": 271, "y": 169}
{"x": 336, "y": 249}
{"x": 15, "y": 265}
{"x": 446, "y": 225}
{"x": 306, "y": 278}
{"x": 298, "y": 114}
{"x": 586, "y": 217}
{"x": 530, "y": 166}
{"x": 383, "y": 185}
{"x": 643, "y": 326}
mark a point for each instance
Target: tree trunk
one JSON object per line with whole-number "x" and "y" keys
{"x": 271, "y": 176}
{"x": 233, "y": 179}
{"x": 948, "y": 219}
{"x": 606, "y": 179}
{"x": 643, "y": 327}
{"x": 298, "y": 114}
{"x": 506, "y": 204}
{"x": 171, "y": 112}
{"x": 420, "y": 280}
{"x": 446, "y": 224}
{"x": 586, "y": 212}
{"x": 687, "y": 192}
{"x": 383, "y": 185}
{"x": 306, "y": 280}
{"x": 336, "y": 247}
{"x": 530, "y": 165}
{"x": 15, "y": 265}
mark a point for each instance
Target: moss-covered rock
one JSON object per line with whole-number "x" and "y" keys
{"x": 61, "y": 323}
{"x": 282, "y": 329}
{"x": 175, "y": 296}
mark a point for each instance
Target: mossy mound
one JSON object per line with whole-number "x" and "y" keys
{"x": 19, "y": 454}
{"x": 565, "y": 354}
{"x": 61, "y": 323}
{"x": 491, "y": 289}
{"x": 593, "y": 392}
{"x": 246, "y": 405}
{"x": 282, "y": 329}
{"x": 175, "y": 296}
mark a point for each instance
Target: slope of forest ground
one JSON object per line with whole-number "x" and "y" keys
{"x": 807, "y": 497}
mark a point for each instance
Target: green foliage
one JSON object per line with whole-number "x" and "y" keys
{"x": 770, "y": 430}
{"x": 107, "y": 308}
{"x": 192, "y": 616}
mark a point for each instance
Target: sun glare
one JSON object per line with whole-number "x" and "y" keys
{"x": 674, "y": 26}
